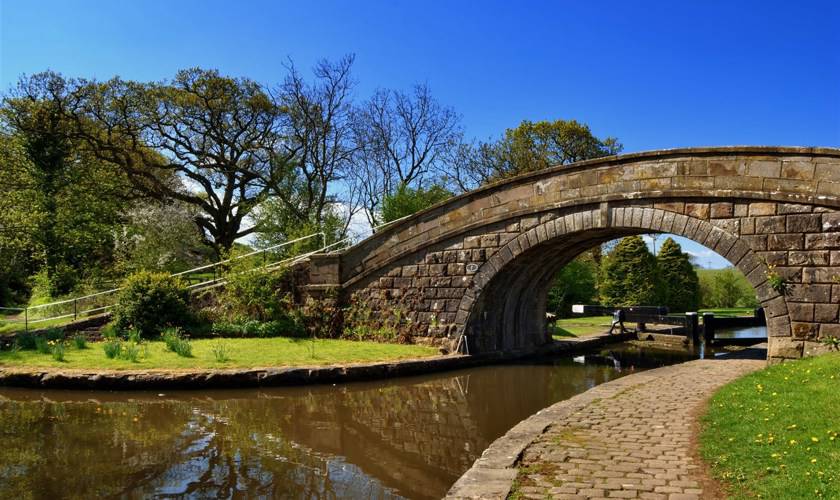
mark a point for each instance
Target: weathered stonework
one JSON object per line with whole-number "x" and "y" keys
{"x": 483, "y": 261}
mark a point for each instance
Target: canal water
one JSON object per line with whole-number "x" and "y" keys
{"x": 406, "y": 437}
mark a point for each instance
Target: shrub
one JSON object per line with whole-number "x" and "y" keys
{"x": 112, "y": 348}
{"x": 176, "y": 343}
{"x": 287, "y": 327}
{"x": 131, "y": 352}
{"x": 80, "y": 341}
{"x": 149, "y": 302}
{"x": 220, "y": 352}
{"x": 41, "y": 345}
{"x": 54, "y": 334}
{"x": 26, "y": 341}
{"x": 58, "y": 351}
{"x": 253, "y": 294}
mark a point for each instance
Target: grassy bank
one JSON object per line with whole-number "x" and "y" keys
{"x": 776, "y": 433}
{"x": 581, "y": 327}
{"x": 240, "y": 353}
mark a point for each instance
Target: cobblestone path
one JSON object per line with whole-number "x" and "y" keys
{"x": 629, "y": 438}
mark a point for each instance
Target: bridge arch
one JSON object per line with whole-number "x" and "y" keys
{"x": 478, "y": 264}
{"x": 506, "y": 303}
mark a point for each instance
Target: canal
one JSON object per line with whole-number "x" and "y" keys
{"x": 407, "y": 437}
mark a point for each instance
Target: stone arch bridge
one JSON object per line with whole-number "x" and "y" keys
{"x": 481, "y": 264}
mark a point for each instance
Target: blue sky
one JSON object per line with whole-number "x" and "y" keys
{"x": 653, "y": 74}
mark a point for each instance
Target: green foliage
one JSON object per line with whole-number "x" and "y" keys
{"x": 529, "y": 147}
{"x": 80, "y": 341}
{"x": 112, "y": 348}
{"x": 131, "y": 352}
{"x": 629, "y": 275}
{"x": 220, "y": 352}
{"x": 680, "y": 285}
{"x": 776, "y": 281}
{"x": 41, "y": 345}
{"x": 26, "y": 341}
{"x": 287, "y": 327}
{"x": 725, "y": 288}
{"x": 576, "y": 283}
{"x": 150, "y": 302}
{"x": 406, "y": 201}
{"x": 176, "y": 342}
{"x": 57, "y": 350}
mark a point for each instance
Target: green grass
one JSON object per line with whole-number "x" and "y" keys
{"x": 776, "y": 433}
{"x": 581, "y": 327}
{"x": 241, "y": 353}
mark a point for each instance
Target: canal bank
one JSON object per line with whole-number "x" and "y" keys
{"x": 628, "y": 438}
{"x": 56, "y": 378}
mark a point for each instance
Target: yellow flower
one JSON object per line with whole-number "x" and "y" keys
{"x": 815, "y": 439}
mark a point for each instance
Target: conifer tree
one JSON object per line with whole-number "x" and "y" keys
{"x": 629, "y": 275}
{"x": 680, "y": 284}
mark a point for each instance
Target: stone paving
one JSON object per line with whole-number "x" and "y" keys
{"x": 629, "y": 438}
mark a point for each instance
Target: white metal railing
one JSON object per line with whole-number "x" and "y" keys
{"x": 97, "y": 303}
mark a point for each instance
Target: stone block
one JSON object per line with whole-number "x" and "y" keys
{"x": 727, "y": 168}
{"x": 784, "y": 241}
{"x": 822, "y": 241}
{"x": 732, "y": 226}
{"x": 741, "y": 210}
{"x": 830, "y": 221}
{"x": 784, "y": 348}
{"x": 472, "y": 242}
{"x": 827, "y": 172}
{"x": 671, "y": 206}
{"x": 802, "y": 170}
{"x": 821, "y": 275}
{"x": 825, "y": 188}
{"x": 830, "y": 330}
{"x": 800, "y": 312}
{"x": 793, "y": 208}
{"x": 698, "y": 210}
{"x": 809, "y": 292}
{"x": 762, "y": 208}
{"x": 770, "y": 224}
{"x": 764, "y": 168}
{"x": 826, "y": 313}
{"x": 776, "y": 258}
{"x": 739, "y": 183}
{"x": 803, "y": 223}
{"x": 808, "y": 258}
{"x": 804, "y": 331}
{"x": 721, "y": 210}
{"x": 757, "y": 242}
{"x": 489, "y": 240}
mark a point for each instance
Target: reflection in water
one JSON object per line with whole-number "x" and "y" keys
{"x": 409, "y": 437}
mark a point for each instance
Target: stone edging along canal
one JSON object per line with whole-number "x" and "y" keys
{"x": 57, "y": 378}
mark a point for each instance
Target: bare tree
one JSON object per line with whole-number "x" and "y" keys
{"x": 319, "y": 137}
{"x": 401, "y": 138}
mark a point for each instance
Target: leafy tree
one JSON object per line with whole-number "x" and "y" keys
{"x": 406, "y": 201}
{"x": 576, "y": 283}
{"x": 726, "y": 288}
{"x": 68, "y": 200}
{"x": 159, "y": 236}
{"x": 529, "y": 147}
{"x": 680, "y": 284}
{"x": 629, "y": 275}
{"x": 206, "y": 140}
